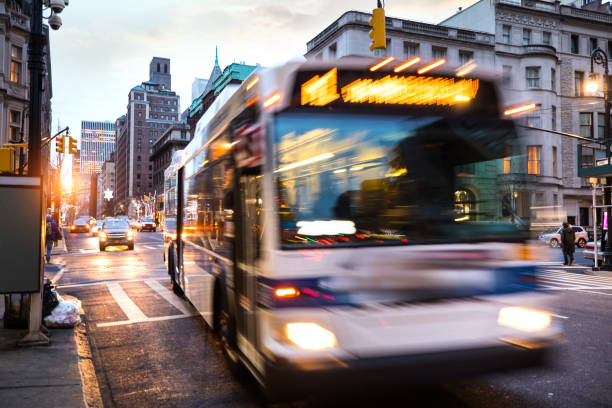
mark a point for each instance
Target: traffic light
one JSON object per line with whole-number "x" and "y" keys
{"x": 60, "y": 144}
{"x": 377, "y": 34}
{"x": 72, "y": 145}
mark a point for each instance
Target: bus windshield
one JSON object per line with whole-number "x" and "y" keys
{"x": 370, "y": 180}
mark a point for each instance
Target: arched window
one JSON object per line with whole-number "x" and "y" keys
{"x": 465, "y": 205}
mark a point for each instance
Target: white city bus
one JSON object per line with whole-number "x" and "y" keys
{"x": 340, "y": 225}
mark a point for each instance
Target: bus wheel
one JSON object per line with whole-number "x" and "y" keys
{"x": 227, "y": 329}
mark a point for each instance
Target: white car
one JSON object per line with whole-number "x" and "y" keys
{"x": 554, "y": 238}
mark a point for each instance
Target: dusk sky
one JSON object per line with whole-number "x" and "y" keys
{"x": 104, "y": 48}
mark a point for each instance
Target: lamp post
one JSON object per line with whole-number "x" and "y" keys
{"x": 599, "y": 57}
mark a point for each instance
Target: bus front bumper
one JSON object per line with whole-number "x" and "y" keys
{"x": 287, "y": 381}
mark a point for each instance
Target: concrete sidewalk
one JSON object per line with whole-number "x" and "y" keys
{"x": 45, "y": 376}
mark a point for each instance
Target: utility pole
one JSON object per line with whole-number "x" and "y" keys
{"x": 599, "y": 57}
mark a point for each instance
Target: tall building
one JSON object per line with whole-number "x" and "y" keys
{"x": 97, "y": 144}
{"x": 540, "y": 52}
{"x": 106, "y": 182}
{"x": 152, "y": 109}
{"x": 159, "y": 72}
{"x": 197, "y": 87}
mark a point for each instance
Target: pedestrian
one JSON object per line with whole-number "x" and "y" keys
{"x": 52, "y": 234}
{"x": 568, "y": 244}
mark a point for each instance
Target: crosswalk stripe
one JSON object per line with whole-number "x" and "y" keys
{"x": 572, "y": 276}
{"x": 126, "y": 304}
{"x": 168, "y": 296}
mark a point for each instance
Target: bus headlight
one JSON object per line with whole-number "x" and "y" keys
{"x": 524, "y": 319}
{"x": 310, "y": 336}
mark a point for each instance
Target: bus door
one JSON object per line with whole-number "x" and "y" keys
{"x": 248, "y": 240}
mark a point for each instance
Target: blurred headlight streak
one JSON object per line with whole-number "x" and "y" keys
{"x": 310, "y": 336}
{"x": 431, "y": 66}
{"x": 301, "y": 163}
{"x": 519, "y": 109}
{"x": 103, "y": 235}
{"x": 333, "y": 227}
{"x": 524, "y": 319}
{"x": 272, "y": 100}
{"x": 407, "y": 64}
{"x": 381, "y": 64}
{"x": 252, "y": 83}
{"x": 466, "y": 68}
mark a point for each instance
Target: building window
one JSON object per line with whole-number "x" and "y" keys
{"x": 506, "y": 34}
{"x": 586, "y": 124}
{"x": 411, "y": 49}
{"x": 332, "y": 50}
{"x": 554, "y": 161}
{"x": 579, "y": 83}
{"x": 534, "y": 118}
{"x": 546, "y": 38}
{"x": 574, "y": 44}
{"x": 150, "y": 141}
{"x": 138, "y": 159}
{"x": 16, "y": 55}
{"x": 14, "y": 125}
{"x": 165, "y": 68}
{"x": 438, "y": 52}
{"x": 533, "y": 77}
{"x": 601, "y": 120}
{"x": 592, "y": 44}
{"x": 553, "y": 80}
{"x": 534, "y": 159}
{"x": 526, "y": 36}
{"x": 139, "y": 132}
{"x": 553, "y": 120}
{"x": 507, "y": 165}
{"x": 507, "y": 75}
{"x": 465, "y": 56}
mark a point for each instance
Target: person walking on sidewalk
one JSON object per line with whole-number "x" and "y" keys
{"x": 52, "y": 234}
{"x": 568, "y": 244}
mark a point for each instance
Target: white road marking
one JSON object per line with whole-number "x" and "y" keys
{"x": 126, "y": 304}
{"x": 151, "y": 319}
{"x": 560, "y": 317}
{"x": 168, "y": 296}
{"x": 58, "y": 276}
{"x": 78, "y": 285}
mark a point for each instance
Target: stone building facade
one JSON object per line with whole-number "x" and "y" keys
{"x": 540, "y": 52}
{"x": 542, "y": 55}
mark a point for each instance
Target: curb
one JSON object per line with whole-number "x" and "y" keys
{"x": 89, "y": 382}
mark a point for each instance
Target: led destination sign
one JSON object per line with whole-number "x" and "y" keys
{"x": 391, "y": 89}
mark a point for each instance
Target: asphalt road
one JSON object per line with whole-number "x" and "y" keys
{"x": 151, "y": 349}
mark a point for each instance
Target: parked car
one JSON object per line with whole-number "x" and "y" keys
{"x": 95, "y": 229}
{"x": 553, "y": 239}
{"x": 147, "y": 224}
{"x": 80, "y": 225}
{"x": 116, "y": 232}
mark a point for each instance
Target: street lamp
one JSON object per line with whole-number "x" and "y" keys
{"x": 599, "y": 57}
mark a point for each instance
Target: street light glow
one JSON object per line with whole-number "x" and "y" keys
{"x": 591, "y": 86}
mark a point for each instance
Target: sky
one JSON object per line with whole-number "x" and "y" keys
{"x": 104, "y": 48}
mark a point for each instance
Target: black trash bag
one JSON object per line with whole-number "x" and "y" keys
{"x": 50, "y": 300}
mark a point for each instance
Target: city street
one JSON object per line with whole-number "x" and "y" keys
{"x": 151, "y": 349}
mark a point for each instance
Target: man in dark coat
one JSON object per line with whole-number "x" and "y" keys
{"x": 568, "y": 239}
{"x": 52, "y": 235}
